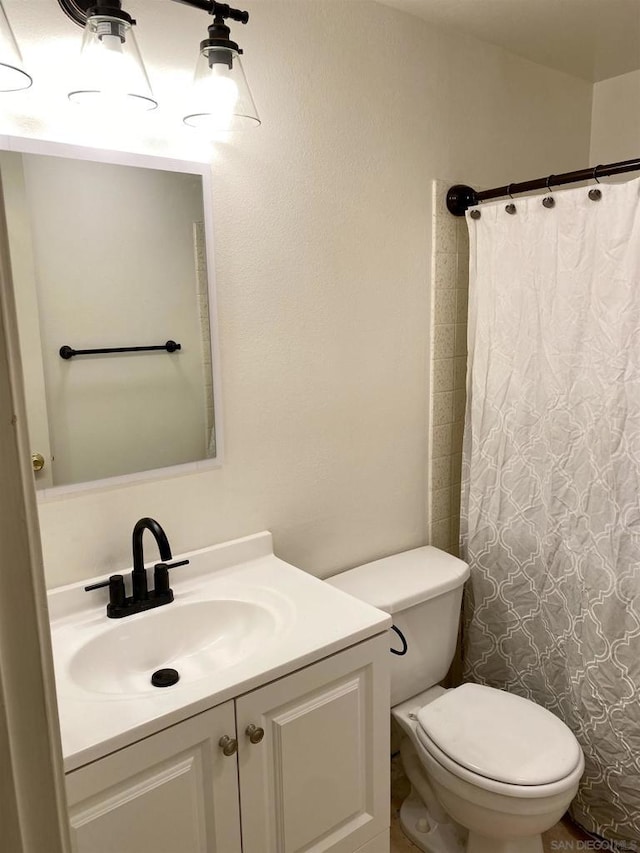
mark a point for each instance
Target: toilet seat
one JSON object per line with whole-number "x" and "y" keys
{"x": 499, "y": 741}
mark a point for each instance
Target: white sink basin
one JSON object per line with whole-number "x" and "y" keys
{"x": 198, "y": 639}
{"x": 241, "y": 617}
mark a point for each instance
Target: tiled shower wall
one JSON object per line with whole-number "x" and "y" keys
{"x": 202, "y": 291}
{"x": 450, "y": 290}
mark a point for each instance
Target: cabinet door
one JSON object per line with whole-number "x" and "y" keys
{"x": 174, "y": 792}
{"x": 319, "y": 778}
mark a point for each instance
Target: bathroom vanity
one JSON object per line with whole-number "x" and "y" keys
{"x": 275, "y": 738}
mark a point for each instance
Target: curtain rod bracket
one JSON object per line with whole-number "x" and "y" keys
{"x": 459, "y": 198}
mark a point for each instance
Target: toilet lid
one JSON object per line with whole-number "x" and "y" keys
{"x": 499, "y": 735}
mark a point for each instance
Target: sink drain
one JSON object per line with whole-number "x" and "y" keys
{"x": 165, "y": 677}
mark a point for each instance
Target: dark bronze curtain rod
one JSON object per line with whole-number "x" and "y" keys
{"x": 460, "y": 197}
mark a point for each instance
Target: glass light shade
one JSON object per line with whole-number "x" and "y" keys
{"x": 110, "y": 75}
{"x": 220, "y": 99}
{"x": 12, "y": 74}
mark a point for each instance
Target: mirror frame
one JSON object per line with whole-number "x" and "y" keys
{"x": 28, "y": 145}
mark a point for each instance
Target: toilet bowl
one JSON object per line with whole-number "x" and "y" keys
{"x": 490, "y": 771}
{"x": 501, "y": 766}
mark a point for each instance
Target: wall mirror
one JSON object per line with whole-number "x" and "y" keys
{"x": 112, "y": 252}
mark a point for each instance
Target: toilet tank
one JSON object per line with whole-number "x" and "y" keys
{"x": 422, "y": 590}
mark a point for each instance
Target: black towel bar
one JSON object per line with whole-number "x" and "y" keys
{"x": 68, "y": 352}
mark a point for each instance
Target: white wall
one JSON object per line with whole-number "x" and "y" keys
{"x": 615, "y": 130}
{"x": 322, "y": 243}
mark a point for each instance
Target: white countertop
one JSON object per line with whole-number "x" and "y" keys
{"x": 311, "y": 620}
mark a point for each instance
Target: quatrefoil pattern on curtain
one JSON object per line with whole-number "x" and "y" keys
{"x": 551, "y": 478}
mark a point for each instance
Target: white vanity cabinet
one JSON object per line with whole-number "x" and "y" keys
{"x": 310, "y": 773}
{"x": 173, "y": 792}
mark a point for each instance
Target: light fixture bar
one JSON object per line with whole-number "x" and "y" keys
{"x": 213, "y": 8}
{"x": 77, "y": 10}
{"x": 205, "y": 5}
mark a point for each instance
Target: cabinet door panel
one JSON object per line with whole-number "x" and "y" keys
{"x": 173, "y": 792}
{"x": 311, "y": 741}
{"x": 319, "y": 779}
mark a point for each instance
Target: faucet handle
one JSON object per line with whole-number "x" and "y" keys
{"x": 161, "y": 579}
{"x": 93, "y": 586}
{"x": 116, "y": 589}
{"x": 176, "y": 564}
{"x": 161, "y": 576}
{"x": 113, "y": 579}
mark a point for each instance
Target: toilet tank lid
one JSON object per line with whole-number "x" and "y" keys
{"x": 403, "y": 580}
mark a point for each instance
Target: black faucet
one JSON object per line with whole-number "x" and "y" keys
{"x": 141, "y": 597}
{"x": 139, "y": 574}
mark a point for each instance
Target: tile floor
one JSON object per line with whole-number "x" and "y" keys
{"x": 563, "y": 831}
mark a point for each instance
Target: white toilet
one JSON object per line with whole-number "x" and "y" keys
{"x": 503, "y": 769}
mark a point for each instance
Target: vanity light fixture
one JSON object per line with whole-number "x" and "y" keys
{"x": 220, "y": 98}
{"x": 12, "y": 74}
{"x": 112, "y": 72}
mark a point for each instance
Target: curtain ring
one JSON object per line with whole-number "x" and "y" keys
{"x": 509, "y": 190}
{"x": 595, "y": 194}
{"x": 549, "y": 201}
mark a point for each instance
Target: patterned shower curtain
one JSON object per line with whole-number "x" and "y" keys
{"x": 551, "y": 477}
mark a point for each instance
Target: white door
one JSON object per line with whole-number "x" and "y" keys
{"x": 174, "y": 792}
{"x": 32, "y": 805}
{"x": 318, "y": 779}
{"x": 26, "y": 299}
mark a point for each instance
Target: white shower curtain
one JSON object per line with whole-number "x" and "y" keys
{"x": 551, "y": 477}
